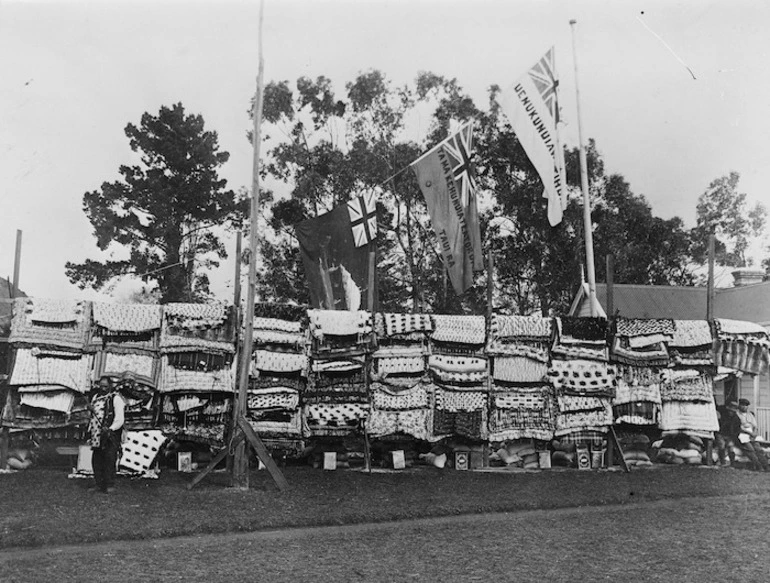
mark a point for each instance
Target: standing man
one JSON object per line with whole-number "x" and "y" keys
{"x": 747, "y": 437}
{"x": 727, "y": 436}
{"x": 105, "y": 432}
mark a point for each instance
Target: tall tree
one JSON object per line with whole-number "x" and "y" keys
{"x": 327, "y": 150}
{"x": 333, "y": 148}
{"x": 646, "y": 248}
{"x": 163, "y": 212}
{"x": 723, "y": 211}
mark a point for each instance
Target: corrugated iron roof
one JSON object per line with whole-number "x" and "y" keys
{"x": 750, "y": 303}
{"x": 646, "y": 301}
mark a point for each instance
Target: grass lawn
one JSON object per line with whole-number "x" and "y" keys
{"x": 692, "y": 540}
{"x": 42, "y": 507}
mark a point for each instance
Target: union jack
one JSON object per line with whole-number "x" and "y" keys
{"x": 543, "y": 75}
{"x": 363, "y": 219}
{"x": 459, "y": 149}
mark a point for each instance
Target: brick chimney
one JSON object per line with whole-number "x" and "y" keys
{"x": 747, "y": 276}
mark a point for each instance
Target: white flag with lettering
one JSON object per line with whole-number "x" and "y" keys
{"x": 531, "y": 105}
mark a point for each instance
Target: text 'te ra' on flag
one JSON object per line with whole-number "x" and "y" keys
{"x": 531, "y": 105}
{"x": 446, "y": 179}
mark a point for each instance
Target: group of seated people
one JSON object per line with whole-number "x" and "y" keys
{"x": 738, "y": 428}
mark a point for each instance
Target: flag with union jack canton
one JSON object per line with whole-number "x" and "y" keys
{"x": 446, "y": 178}
{"x": 543, "y": 75}
{"x": 363, "y": 219}
{"x": 532, "y": 106}
{"x": 340, "y": 270}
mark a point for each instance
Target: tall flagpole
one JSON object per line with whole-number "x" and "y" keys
{"x": 587, "y": 224}
{"x": 241, "y": 461}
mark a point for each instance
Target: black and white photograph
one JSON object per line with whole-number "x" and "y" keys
{"x": 384, "y": 290}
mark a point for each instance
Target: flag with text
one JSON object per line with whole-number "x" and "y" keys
{"x": 531, "y": 105}
{"x": 446, "y": 178}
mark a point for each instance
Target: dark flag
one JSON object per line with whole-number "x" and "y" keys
{"x": 340, "y": 274}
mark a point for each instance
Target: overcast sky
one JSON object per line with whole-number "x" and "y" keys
{"x": 74, "y": 73}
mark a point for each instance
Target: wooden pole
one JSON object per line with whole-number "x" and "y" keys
{"x": 587, "y": 224}
{"x": 5, "y": 432}
{"x": 239, "y": 348}
{"x": 17, "y": 264}
{"x": 610, "y": 286}
{"x": 371, "y": 282}
{"x": 238, "y": 252}
{"x": 490, "y": 283}
{"x": 755, "y": 400}
{"x": 710, "y": 287}
{"x": 444, "y": 285}
{"x": 490, "y": 311}
{"x": 241, "y": 460}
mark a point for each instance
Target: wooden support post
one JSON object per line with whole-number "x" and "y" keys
{"x": 755, "y": 399}
{"x": 213, "y": 463}
{"x": 490, "y": 311}
{"x": 610, "y": 286}
{"x": 5, "y": 432}
{"x": 709, "y": 452}
{"x": 239, "y": 323}
{"x": 370, "y": 297}
{"x": 490, "y": 283}
{"x": 367, "y": 450}
{"x": 241, "y": 462}
{"x": 613, "y": 442}
{"x": 710, "y": 287}
{"x": 263, "y": 454}
{"x": 17, "y": 264}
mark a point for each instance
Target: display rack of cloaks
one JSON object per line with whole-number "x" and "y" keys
{"x": 278, "y": 375}
{"x": 522, "y": 399}
{"x": 458, "y": 368}
{"x": 741, "y": 346}
{"x": 688, "y": 412}
{"x": 400, "y": 387}
{"x": 640, "y": 350}
{"x": 197, "y": 380}
{"x": 124, "y": 340}
{"x": 51, "y": 374}
{"x": 584, "y": 381}
{"x": 335, "y": 401}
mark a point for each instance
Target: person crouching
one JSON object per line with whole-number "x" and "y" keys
{"x": 105, "y": 432}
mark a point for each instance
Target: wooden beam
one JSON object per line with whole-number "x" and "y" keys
{"x": 5, "y": 432}
{"x": 371, "y": 281}
{"x": 710, "y": 288}
{"x": 240, "y": 461}
{"x": 212, "y": 464}
{"x": 614, "y": 443}
{"x": 610, "y": 286}
{"x": 262, "y": 453}
{"x": 490, "y": 282}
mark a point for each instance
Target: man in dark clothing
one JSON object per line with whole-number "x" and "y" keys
{"x": 107, "y": 415}
{"x": 729, "y": 428}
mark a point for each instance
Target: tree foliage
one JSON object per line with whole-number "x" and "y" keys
{"x": 723, "y": 211}
{"x": 163, "y": 212}
{"x": 538, "y": 267}
{"x": 324, "y": 150}
{"x": 327, "y": 150}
